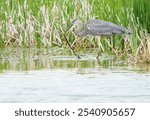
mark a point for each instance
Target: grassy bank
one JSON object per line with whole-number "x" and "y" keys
{"x": 41, "y": 23}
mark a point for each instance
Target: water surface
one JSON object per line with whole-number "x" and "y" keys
{"x": 33, "y": 75}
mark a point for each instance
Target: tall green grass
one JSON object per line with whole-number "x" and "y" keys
{"x": 41, "y": 23}
{"x": 141, "y": 9}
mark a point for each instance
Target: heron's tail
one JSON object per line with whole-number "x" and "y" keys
{"x": 123, "y": 30}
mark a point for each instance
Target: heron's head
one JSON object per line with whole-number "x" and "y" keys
{"x": 73, "y": 23}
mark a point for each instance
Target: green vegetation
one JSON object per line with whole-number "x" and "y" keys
{"x": 41, "y": 23}
{"x": 141, "y": 11}
{"x": 28, "y": 59}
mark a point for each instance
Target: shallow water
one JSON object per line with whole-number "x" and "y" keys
{"x": 43, "y": 76}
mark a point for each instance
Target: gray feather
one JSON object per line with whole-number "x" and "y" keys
{"x": 104, "y": 28}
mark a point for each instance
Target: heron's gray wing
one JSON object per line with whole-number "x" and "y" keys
{"x": 103, "y": 28}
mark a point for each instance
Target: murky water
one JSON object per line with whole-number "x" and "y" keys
{"x": 50, "y": 76}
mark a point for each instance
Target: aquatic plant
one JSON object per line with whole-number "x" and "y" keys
{"x": 42, "y": 23}
{"x": 141, "y": 10}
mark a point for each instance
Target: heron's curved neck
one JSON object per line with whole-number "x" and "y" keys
{"x": 80, "y": 27}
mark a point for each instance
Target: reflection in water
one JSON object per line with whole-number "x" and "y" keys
{"x": 30, "y": 59}
{"x": 36, "y": 59}
{"x": 39, "y": 75}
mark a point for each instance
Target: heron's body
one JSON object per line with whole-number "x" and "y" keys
{"x": 95, "y": 27}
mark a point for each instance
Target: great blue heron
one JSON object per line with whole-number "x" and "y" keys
{"x": 95, "y": 27}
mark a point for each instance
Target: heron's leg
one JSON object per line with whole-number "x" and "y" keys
{"x": 71, "y": 47}
{"x": 111, "y": 46}
{"x": 98, "y": 54}
{"x": 100, "y": 47}
{"x": 76, "y": 41}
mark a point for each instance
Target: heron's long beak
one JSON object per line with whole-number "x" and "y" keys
{"x": 68, "y": 41}
{"x": 68, "y": 28}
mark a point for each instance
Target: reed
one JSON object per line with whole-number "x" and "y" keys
{"x": 142, "y": 12}
{"x": 42, "y": 23}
